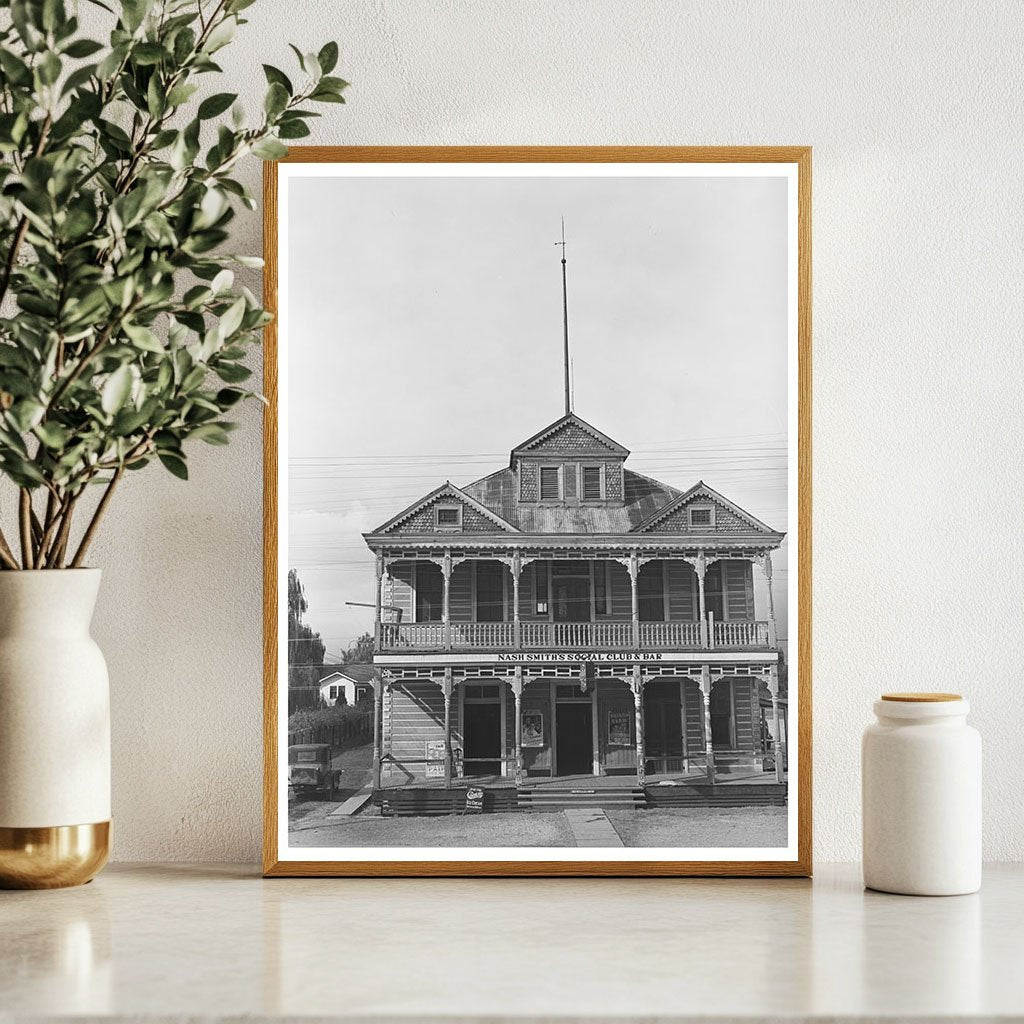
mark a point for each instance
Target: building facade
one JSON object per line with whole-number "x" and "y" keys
{"x": 567, "y": 617}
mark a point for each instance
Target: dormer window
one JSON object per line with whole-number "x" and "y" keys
{"x": 593, "y": 483}
{"x": 447, "y": 517}
{"x": 550, "y": 483}
{"x": 702, "y": 516}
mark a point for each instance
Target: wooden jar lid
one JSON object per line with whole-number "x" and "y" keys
{"x": 921, "y": 698}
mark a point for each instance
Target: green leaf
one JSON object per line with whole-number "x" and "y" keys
{"x": 232, "y": 319}
{"x": 269, "y": 149}
{"x": 328, "y": 57}
{"x": 116, "y": 390}
{"x": 276, "y": 99}
{"x": 49, "y": 68}
{"x": 53, "y": 435}
{"x": 144, "y": 338}
{"x": 216, "y": 104}
{"x": 175, "y": 464}
{"x": 221, "y": 35}
{"x": 293, "y": 130}
{"x": 211, "y": 433}
{"x": 26, "y": 414}
{"x": 82, "y": 48}
{"x": 149, "y": 53}
{"x": 233, "y": 373}
{"x": 181, "y": 93}
{"x": 276, "y": 76}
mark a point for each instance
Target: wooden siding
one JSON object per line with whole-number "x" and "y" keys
{"x": 403, "y": 593}
{"x": 422, "y": 519}
{"x": 680, "y": 579}
{"x": 615, "y": 696}
{"x": 460, "y": 596}
{"x": 726, "y": 521}
{"x": 537, "y": 697}
{"x": 619, "y": 594}
{"x": 695, "y": 742}
{"x": 738, "y": 580}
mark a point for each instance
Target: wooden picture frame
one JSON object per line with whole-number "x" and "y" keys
{"x": 798, "y": 862}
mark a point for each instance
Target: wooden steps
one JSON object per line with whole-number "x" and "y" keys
{"x": 705, "y": 795}
{"x": 434, "y": 802}
{"x": 624, "y": 797}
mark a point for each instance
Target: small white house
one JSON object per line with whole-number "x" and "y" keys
{"x": 347, "y": 684}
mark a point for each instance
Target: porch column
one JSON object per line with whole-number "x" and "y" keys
{"x": 634, "y": 572}
{"x": 446, "y": 689}
{"x": 517, "y": 568}
{"x": 700, "y": 568}
{"x": 378, "y": 600}
{"x": 780, "y": 747}
{"x": 766, "y": 565}
{"x": 637, "y": 686}
{"x": 446, "y": 574}
{"x": 378, "y": 700}
{"x": 682, "y": 722}
{"x": 516, "y": 683}
{"x": 709, "y": 750}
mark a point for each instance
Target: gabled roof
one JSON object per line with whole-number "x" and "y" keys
{"x": 586, "y": 439}
{"x": 642, "y": 497}
{"x": 357, "y": 673}
{"x": 446, "y": 490}
{"x": 698, "y": 491}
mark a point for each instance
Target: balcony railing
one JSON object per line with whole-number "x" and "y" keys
{"x": 534, "y": 636}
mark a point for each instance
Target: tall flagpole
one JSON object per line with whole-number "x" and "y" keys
{"x": 565, "y": 325}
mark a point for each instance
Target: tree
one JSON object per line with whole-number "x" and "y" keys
{"x": 305, "y": 648}
{"x": 361, "y": 652}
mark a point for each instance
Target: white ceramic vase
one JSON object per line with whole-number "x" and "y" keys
{"x": 921, "y": 772}
{"x": 54, "y": 731}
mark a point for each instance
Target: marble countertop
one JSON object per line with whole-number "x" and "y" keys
{"x": 176, "y": 942}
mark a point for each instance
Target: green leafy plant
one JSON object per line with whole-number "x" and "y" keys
{"x": 122, "y": 332}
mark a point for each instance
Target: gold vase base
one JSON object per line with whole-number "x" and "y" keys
{"x": 54, "y": 857}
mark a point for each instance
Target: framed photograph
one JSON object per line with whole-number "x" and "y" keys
{"x": 538, "y": 512}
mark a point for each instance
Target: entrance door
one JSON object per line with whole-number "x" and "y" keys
{"x": 572, "y": 600}
{"x": 722, "y": 735}
{"x": 574, "y": 741}
{"x": 481, "y": 738}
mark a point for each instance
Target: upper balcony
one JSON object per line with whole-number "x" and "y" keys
{"x": 395, "y": 638}
{"x": 474, "y": 604}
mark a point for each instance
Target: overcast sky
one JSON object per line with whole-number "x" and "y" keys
{"x": 425, "y": 335}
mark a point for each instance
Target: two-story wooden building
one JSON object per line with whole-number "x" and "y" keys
{"x": 566, "y": 616}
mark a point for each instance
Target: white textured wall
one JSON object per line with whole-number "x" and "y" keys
{"x": 914, "y": 113}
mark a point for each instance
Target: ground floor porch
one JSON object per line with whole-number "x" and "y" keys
{"x": 599, "y": 724}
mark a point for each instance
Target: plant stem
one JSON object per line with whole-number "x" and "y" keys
{"x": 6, "y": 554}
{"x": 94, "y": 523}
{"x": 60, "y": 543}
{"x": 25, "y": 523}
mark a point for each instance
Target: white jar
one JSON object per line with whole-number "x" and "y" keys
{"x": 921, "y": 777}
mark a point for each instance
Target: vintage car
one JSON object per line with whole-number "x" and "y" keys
{"x": 310, "y": 771}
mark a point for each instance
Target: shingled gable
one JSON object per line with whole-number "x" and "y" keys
{"x": 406, "y": 521}
{"x": 729, "y": 518}
{"x": 569, "y": 435}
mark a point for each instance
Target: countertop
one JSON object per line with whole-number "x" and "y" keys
{"x": 179, "y": 942}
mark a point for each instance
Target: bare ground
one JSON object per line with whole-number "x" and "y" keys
{"x": 701, "y": 826}
{"x": 511, "y": 829}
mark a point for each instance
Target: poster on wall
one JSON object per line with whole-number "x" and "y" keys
{"x": 533, "y": 728}
{"x": 537, "y": 434}
{"x": 619, "y": 732}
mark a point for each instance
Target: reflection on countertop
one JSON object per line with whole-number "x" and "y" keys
{"x": 179, "y": 941}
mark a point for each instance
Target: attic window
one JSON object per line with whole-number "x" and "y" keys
{"x": 702, "y": 515}
{"x": 592, "y": 483}
{"x": 549, "y": 483}
{"x": 448, "y": 517}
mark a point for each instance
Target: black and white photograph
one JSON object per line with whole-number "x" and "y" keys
{"x": 538, "y": 512}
